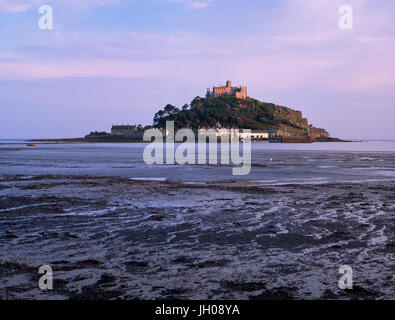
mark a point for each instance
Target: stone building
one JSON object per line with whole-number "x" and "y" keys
{"x": 126, "y": 131}
{"x": 228, "y": 90}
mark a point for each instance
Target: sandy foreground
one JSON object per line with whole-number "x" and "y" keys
{"x": 118, "y": 238}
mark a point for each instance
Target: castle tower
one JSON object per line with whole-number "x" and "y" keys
{"x": 228, "y": 90}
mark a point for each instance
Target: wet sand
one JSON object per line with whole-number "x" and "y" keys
{"x": 118, "y": 238}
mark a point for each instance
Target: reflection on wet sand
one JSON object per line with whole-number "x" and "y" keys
{"x": 114, "y": 237}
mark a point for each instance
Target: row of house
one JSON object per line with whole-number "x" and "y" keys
{"x": 275, "y": 135}
{"x": 135, "y": 132}
{"x": 250, "y": 134}
{"x": 132, "y": 131}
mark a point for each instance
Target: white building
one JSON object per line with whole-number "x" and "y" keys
{"x": 236, "y": 134}
{"x": 254, "y": 134}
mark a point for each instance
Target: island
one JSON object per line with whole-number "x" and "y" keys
{"x": 224, "y": 108}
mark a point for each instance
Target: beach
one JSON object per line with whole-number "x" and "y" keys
{"x": 113, "y": 227}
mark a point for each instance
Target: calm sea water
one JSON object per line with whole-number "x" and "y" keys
{"x": 271, "y": 163}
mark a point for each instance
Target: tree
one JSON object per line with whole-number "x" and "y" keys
{"x": 168, "y": 109}
{"x": 197, "y": 102}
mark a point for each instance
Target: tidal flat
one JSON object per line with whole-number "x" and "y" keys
{"x": 116, "y": 238}
{"x": 113, "y": 228}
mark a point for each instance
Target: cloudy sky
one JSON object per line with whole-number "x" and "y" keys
{"x": 119, "y": 61}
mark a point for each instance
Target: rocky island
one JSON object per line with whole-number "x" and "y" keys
{"x": 248, "y": 113}
{"x": 224, "y": 108}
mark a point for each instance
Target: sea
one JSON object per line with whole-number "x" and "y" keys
{"x": 272, "y": 163}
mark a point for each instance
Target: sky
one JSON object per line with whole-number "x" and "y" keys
{"x": 119, "y": 61}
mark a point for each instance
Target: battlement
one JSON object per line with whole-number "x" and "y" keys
{"x": 228, "y": 90}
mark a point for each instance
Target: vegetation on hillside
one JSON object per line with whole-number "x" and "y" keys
{"x": 230, "y": 112}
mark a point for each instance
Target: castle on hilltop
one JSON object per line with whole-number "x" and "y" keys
{"x": 228, "y": 90}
